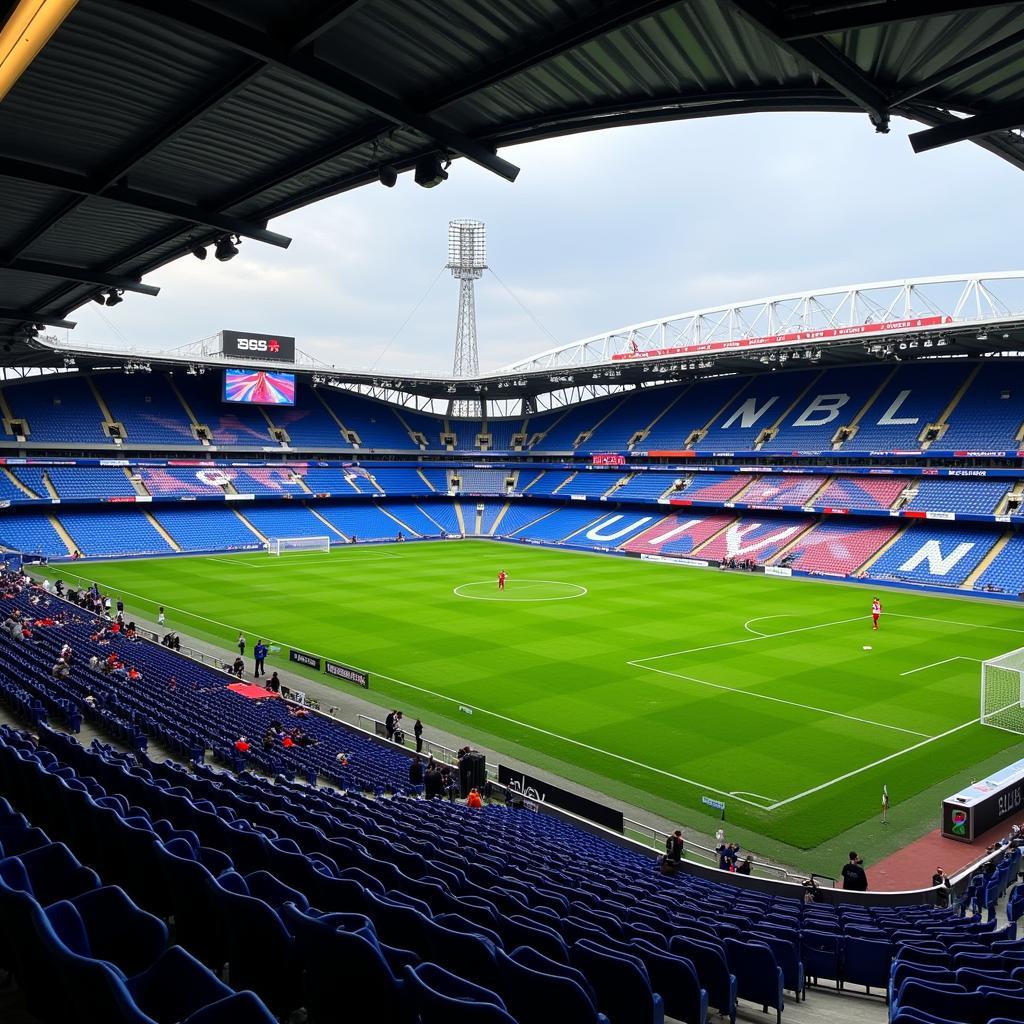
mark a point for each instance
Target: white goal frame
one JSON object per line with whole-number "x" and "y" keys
{"x": 283, "y": 545}
{"x": 1002, "y": 691}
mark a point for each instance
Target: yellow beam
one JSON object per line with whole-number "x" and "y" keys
{"x": 28, "y": 30}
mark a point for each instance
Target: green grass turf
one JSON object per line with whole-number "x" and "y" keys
{"x": 564, "y": 682}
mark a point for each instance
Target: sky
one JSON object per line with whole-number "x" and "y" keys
{"x": 601, "y": 230}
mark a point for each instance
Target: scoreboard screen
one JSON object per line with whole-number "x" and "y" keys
{"x": 259, "y": 387}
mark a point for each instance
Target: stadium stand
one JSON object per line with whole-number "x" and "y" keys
{"x": 591, "y": 483}
{"x": 521, "y": 514}
{"x": 714, "y": 487}
{"x": 309, "y": 425}
{"x": 364, "y": 522}
{"x": 89, "y": 482}
{"x": 752, "y": 539}
{"x": 688, "y": 409}
{"x": 482, "y": 481}
{"x": 563, "y": 522}
{"x": 550, "y": 481}
{"x": 414, "y": 517}
{"x": 489, "y": 517}
{"x": 834, "y": 400}
{"x": 756, "y": 408}
{"x": 334, "y": 480}
{"x": 268, "y": 480}
{"x": 837, "y": 549}
{"x": 34, "y": 478}
{"x": 444, "y": 514}
{"x": 913, "y": 398}
{"x": 502, "y": 432}
{"x": 115, "y": 532}
{"x": 182, "y": 480}
{"x": 952, "y": 495}
{"x": 431, "y": 427}
{"x": 437, "y": 478}
{"x": 399, "y": 480}
{"x": 646, "y": 486}
{"x": 782, "y": 489}
{"x": 862, "y": 492}
{"x": 9, "y": 490}
{"x": 933, "y": 555}
{"x": 678, "y": 534}
{"x": 561, "y": 432}
{"x": 990, "y": 414}
{"x": 466, "y": 432}
{"x": 58, "y": 410}
{"x": 214, "y": 529}
{"x": 148, "y": 409}
{"x": 376, "y": 424}
{"x": 1003, "y": 573}
{"x": 293, "y": 521}
{"x": 32, "y": 532}
{"x": 630, "y": 416}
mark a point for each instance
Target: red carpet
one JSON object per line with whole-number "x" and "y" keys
{"x": 251, "y": 691}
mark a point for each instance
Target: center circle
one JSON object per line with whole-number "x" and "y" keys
{"x": 520, "y": 591}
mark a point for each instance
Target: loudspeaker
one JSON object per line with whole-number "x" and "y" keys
{"x": 472, "y": 771}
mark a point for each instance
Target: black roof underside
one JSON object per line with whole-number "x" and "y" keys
{"x": 146, "y": 128}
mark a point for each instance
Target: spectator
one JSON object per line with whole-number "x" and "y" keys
{"x": 287, "y": 742}
{"x": 473, "y": 800}
{"x": 940, "y": 878}
{"x": 416, "y": 772}
{"x": 269, "y": 739}
{"x": 274, "y": 684}
{"x": 242, "y": 745}
{"x": 417, "y": 731}
{"x": 90, "y": 700}
{"x": 389, "y": 724}
{"x": 160, "y": 617}
{"x": 723, "y": 852}
{"x": 66, "y": 653}
{"x": 674, "y": 845}
{"x": 94, "y": 663}
{"x": 432, "y": 782}
{"x": 259, "y": 652}
{"x": 745, "y": 866}
{"x": 61, "y": 669}
{"x": 241, "y": 645}
{"x": 342, "y": 759}
{"x": 854, "y": 876}
{"x": 238, "y": 669}
{"x": 810, "y": 890}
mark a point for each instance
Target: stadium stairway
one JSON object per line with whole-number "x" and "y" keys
{"x": 66, "y": 537}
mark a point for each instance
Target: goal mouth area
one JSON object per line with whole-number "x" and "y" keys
{"x": 1002, "y": 692}
{"x": 290, "y": 545}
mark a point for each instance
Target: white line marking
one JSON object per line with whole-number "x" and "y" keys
{"x": 748, "y": 640}
{"x": 950, "y": 622}
{"x": 777, "y": 700}
{"x": 867, "y": 767}
{"x": 761, "y": 618}
{"x": 935, "y": 664}
{"x": 577, "y": 591}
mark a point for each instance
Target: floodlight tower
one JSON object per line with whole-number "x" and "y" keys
{"x": 467, "y": 260}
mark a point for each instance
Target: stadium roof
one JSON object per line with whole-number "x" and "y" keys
{"x": 146, "y": 129}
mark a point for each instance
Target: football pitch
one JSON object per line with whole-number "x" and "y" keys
{"x": 655, "y": 683}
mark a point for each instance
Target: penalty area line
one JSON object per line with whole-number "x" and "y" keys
{"x": 874, "y": 764}
{"x": 778, "y": 700}
{"x": 935, "y": 664}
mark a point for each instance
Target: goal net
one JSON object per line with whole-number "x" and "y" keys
{"x": 283, "y": 545}
{"x": 1002, "y": 691}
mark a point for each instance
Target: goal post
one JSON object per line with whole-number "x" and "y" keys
{"x": 285, "y": 545}
{"x": 1002, "y": 691}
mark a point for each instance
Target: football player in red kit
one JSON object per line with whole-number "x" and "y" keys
{"x": 876, "y": 610}
{"x": 502, "y": 576}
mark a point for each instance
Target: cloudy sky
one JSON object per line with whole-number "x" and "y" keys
{"x": 600, "y": 231}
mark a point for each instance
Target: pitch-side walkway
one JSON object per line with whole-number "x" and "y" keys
{"x": 913, "y": 866}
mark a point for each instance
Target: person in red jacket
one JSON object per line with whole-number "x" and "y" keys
{"x": 473, "y": 800}
{"x": 242, "y": 745}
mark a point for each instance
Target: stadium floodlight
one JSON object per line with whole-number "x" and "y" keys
{"x": 199, "y": 251}
{"x": 285, "y": 545}
{"x": 467, "y": 261}
{"x": 387, "y": 176}
{"x": 114, "y": 296}
{"x": 226, "y": 247}
{"x": 431, "y": 170}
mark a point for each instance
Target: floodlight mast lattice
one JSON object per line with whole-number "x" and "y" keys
{"x": 467, "y": 260}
